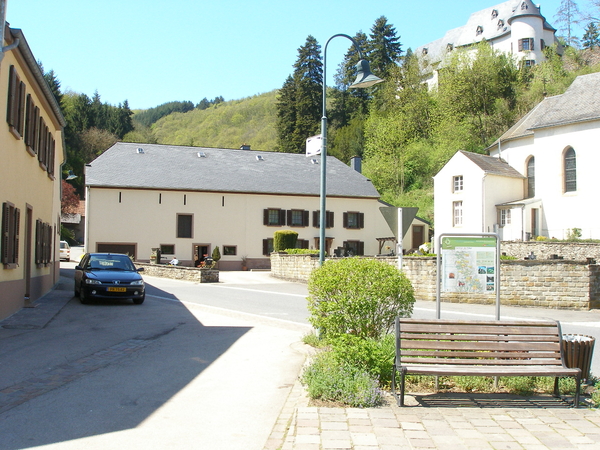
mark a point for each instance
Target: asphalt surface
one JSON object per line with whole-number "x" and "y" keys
{"x": 164, "y": 375}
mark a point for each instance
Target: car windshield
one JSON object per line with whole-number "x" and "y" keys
{"x": 110, "y": 262}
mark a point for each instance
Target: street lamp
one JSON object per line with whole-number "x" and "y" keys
{"x": 364, "y": 79}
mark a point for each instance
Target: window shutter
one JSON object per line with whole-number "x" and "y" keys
{"x": 289, "y": 217}
{"x": 265, "y": 217}
{"x": 345, "y": 220}
{"x": 520, "y": 45}
{"x": 16, "y": 241}
{"x": 38, "y": 241}
{"x": 265, "y": 247}
{"x": 329, "y": 219}
{"x": 36, "y": 129}
{"x": 361, "y": 248}
{"x": 316, "y": 219}
{"x": 12, "y": 96}
{"x": 531, "y": 41}
{"x": 282, "y": 217}
{"x": 305, "y": 218}
{"x": 361, "y": 220}
{"x": 5, "y": 232}
{"x": 28, "y": 121}
{"x": 21, "y": 109}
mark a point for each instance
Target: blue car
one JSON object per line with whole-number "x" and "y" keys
{"x": 108, "y": 276}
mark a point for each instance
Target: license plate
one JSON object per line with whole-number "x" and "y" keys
{"x": 117, "y": 289}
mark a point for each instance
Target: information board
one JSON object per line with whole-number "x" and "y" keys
{"x": 469, "y": 264}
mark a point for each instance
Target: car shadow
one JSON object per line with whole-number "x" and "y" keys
{"x": 102, "y": 368}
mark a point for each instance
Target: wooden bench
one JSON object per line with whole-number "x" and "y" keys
{"x": 479, "y": 348}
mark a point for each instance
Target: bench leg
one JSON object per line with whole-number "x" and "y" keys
{"x": 402, "y": 384}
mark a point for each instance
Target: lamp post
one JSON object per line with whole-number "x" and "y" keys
{"x": 364, "y": 79}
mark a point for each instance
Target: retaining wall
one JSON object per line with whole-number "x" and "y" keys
{"x": 563, "y": 284}
{"x": 180, "y": 272}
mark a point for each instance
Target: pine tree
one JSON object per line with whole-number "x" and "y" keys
{"x": 286, "y": 115}
{"x": 591, "y": 38}
{"x": 384, "y": 47}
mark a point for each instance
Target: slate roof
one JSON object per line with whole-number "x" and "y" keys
{"x": 492, "y": 165}
{"x": 579, "y": 103}
{"x": 492, "y": 26}
{"x": 171, "y": 167}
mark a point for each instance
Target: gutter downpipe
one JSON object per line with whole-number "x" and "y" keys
{"x": 15, "y": 44}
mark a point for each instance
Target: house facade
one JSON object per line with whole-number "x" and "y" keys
{"x": 186, "y": 201}
{"x": 31, "y": 152}
{"x": 539, "y": 177}
{"x": 515, "y": 27}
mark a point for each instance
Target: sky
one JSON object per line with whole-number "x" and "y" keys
{"x": 150, "y": 52}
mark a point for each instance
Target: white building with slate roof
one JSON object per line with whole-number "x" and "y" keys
{"x": 515, "y": 27}
{"x": 540, "y": 178}
{"x": 188, "y": 200}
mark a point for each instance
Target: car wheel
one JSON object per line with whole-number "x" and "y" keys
{"x": 75, "y": 291}
{"x": 139, "y": 301}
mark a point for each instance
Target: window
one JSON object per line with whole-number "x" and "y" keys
{"x": 457, "y": 183}
{"x": 274, "y": 217}
{"x": 354, "y": 248}
{"x": 354, "y": 220}
{"x": 500, "y": 24}
{"x": 525, "y": 44}
{"x": 10, "y": 235}
{"x": 229, "y": 250}
{"x": 302, "y": 243}
{"x": 479, "y": 30}
{"x": 528, "y": 63}
{"x": 167, "y": 249}
{"x": 449, "y": 47}
{"x": 524, "y": 6}
{"x": 542, "y": 44}
{"x": 531, "y": 177}
{"x": 43, "y": 243}
{"x": 457, "y": 213}
{"x": 504, "y": 217}
{"x": 267, "y": 246}
{"x": 494, "y": 13}
{"x": 328, "y": 219}
{"x": 297, "y": 218}
{"x": 570, "y": 165}
{"x": 15, "y": 113}
{"x": 184, "y": 225}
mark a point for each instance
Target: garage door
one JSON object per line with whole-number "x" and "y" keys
{"x": 128, "y": 249}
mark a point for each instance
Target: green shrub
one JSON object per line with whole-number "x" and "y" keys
{"x": 216, "y": 254}
{"x": 374, "y": 356}
{"x": 301, "y": 251}
{"x": 329, "y": 380}
{"x": 358, "y": 296}
{"x": 283, "y": 239}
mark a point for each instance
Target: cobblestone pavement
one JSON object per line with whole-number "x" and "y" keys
{"x": 438, "y": 421}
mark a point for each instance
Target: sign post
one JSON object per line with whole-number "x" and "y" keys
{"x": 468, "y": 263}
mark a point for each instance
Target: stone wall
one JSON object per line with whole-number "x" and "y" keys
{"x": 180, "y": 273}
{"x": 536, "y": 283}
{"x": 577, "y": 251}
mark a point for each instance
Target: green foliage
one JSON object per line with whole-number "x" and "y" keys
{"x": 225, "y": 125}
{"x": 357, "y": 296}
{"x": 327, "y": 379}
{"x": 149, "y": 116}
{"x": 66, "y": 234}
{"x": 216, "y": 254}
{"x": 301, "y": 251}
{"x": 283, "y": 239}
{"x": 574, "y": 234}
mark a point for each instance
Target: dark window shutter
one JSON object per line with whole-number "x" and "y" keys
{"x": 289, "y": 217}
{"x": 361, "y": 220}
{"x": 21, "y": 109}
{"x": 265, "y": 247}
{"x": 531, "y": 41}
{"x": 36, "y": 129}
{"x": 29, "y": 121}
{"x": 266, "y": 217}
{"x": 12, "y": 96}
{"x": 38, "y": 242}
{"x": 329, "y": 219}
{"x": 316, "y": 219}
{"x": 361, "y": 248}
{"x": 16, "y": 241}
{"x": 5, "y": 232}
{"x": 345, "y": 220}
{"x": 305, "y": 218}
{"x": 520, "y": 45}
{"x": 282, "y": 217}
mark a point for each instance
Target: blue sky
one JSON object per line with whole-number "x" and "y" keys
{"x": 151, "y": 52}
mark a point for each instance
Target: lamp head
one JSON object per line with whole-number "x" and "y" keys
{"x": 364, "y": 76}
{"x": 71, "y": 176}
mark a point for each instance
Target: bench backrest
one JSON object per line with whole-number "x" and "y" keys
{"x": 456, "y": 342}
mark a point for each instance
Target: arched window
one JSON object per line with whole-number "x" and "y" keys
{"x": 570, "y": 170}
{"x": 531, "y": 177}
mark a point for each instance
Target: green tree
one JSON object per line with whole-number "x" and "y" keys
{"x": 384, "y": 48}
{"x": 286, "y": 116}
{"x": 591, "y": 37}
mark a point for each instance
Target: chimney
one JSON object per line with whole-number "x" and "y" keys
{"x": 356, "y": 163}
{"x": 245, "y": 147}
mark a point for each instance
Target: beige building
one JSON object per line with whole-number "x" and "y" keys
{"x": 31, "y": 151}
{"x": 188, "y": 200}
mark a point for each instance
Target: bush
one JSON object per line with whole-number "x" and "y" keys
{"x": 301, "y": 251}
{"x": 357, "y": 296}
{"x": 329, "y": 380}
{"x": 283, "y": 239}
